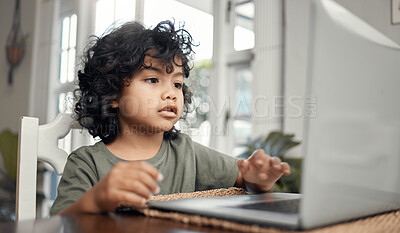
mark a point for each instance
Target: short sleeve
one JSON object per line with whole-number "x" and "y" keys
{"x": 214, "y": 169}
{"x": 78, "y": 177}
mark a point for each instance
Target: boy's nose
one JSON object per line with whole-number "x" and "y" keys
{"x": 169, "y": 93}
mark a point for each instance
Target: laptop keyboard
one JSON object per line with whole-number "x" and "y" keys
{"x": 284, "y": 206}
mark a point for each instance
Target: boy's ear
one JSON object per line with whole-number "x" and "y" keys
{"x": 114, "y": 104}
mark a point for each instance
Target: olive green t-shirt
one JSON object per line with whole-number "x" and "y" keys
{"x": 186, "y": 166}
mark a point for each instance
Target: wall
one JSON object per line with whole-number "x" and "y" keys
{"x": 14, "y": 99}
{"x": 376, "y": 13}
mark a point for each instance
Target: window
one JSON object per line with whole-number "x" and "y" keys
{"x": 241, "y": 72}
{"x": 244, "y": 25}
{"x": 241, "y": 118}
{"x": 68, "y": 49}
{"x": 67, "y": 68}
{"x": 198, "y": 83}
{"x": 198, "y": 22}
{"x": 109, "y": 12}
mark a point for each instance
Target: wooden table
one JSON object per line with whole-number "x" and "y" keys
{"x": 115, "y": 223}
{"x": 102, "y": 223}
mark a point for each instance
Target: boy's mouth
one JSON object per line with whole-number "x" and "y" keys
{"x": 169, "y": 111}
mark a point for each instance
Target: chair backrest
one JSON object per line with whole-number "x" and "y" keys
{"x": 38, "y": 142}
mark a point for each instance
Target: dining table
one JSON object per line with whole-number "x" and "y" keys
{"x": 102, "y": 223}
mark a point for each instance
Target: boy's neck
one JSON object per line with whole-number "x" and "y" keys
{"x": 136, "y": 146}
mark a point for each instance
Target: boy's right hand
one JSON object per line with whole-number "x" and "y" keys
{"x": 131, "y": 183}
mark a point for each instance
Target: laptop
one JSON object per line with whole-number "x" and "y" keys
{"x": 351, "y": 147}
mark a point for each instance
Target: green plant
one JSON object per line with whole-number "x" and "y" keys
{"x": 8, "y": 149}
{"x": 277, "y": 144}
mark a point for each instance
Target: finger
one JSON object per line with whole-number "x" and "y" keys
{"x": 262, "y": 176}
{"x": 148, "y": 181}
{"x": 152, "y": 171}
{"x": 276, "y": 163}
{"x": 255, "y": 154}
{"x": 285, "y": 168}
{"x": 243, "y": 165}
{"x": 141, "y": 171}
{"x": 240, "y": 163}
{"x": 130, "y": 199}
{"x": 259, "y": 158}
{"x": 263, "y": 170}
{"x": 136, "y": 186}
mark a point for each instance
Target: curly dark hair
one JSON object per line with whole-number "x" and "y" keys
{"x": 109, "y": 63}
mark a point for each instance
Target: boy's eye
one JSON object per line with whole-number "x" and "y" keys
{"x": 151, "y": 80}
{"x": 178, "y": 85}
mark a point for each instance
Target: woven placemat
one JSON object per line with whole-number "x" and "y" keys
{"x": 389, "y": 222}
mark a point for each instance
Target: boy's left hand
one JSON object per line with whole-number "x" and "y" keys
{"x": 260, "y": 171}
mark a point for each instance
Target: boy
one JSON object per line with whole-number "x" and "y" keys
{"x": 131, "y": 93}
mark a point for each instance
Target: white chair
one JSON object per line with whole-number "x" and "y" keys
{"x": 38, "y": 142}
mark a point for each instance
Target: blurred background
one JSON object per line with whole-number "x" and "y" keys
{"x": 249, "y": 76}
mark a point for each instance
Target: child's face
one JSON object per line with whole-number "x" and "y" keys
{"x": 153, "y": 101}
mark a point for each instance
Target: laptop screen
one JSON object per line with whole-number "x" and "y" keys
{"x": 352, "y": 152}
